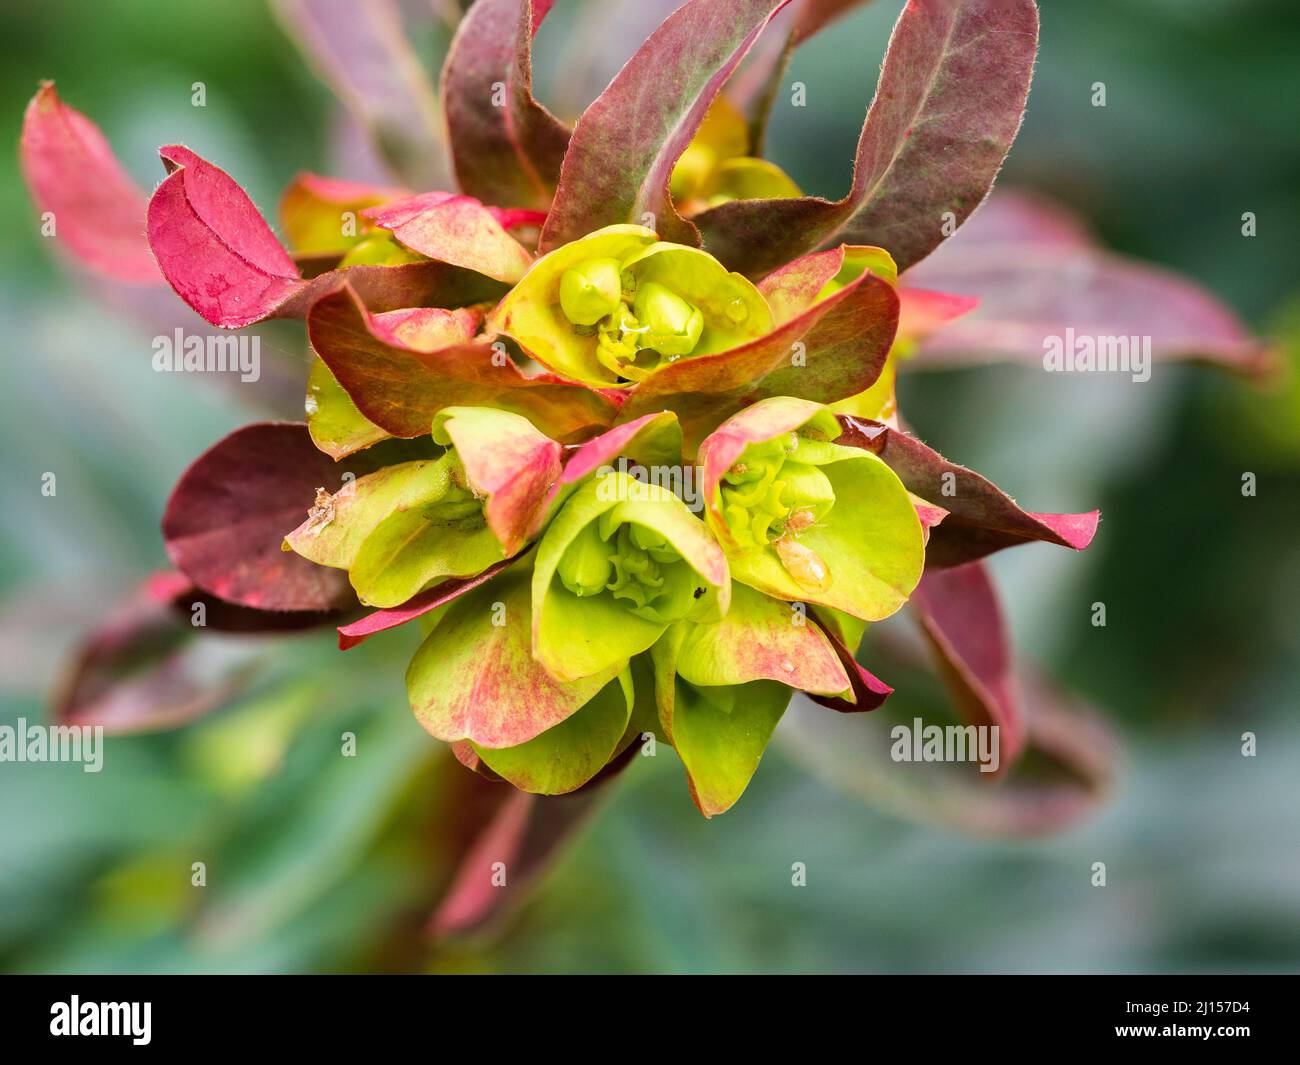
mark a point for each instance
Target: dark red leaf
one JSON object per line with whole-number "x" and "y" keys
{"x": 959, "y": 612}
{"x": 624, "y": 146}
{"x": 506, "y": 151}
{"x": 230, "y": 511}
{"x": 948, "y": 105}
{"x": 981, "y": 517}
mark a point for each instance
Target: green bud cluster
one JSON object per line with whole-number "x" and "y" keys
{"x": 459, "y": 506}
{"x": 769, "y": 495}
{"x": 634, "y": 564}
{"x": 628, "y": 318}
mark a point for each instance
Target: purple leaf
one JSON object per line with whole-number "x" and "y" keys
{"x": 147, "y": 668}
{"x": 1036, "y": 274}
{"x": 869, "y": 690}
{"x": 624, "y": 146}
{"x": 959, "y": 612}
{"x": 230, "y": 511}
{"x": 506, "y": 151}
{"x": 948, "y": 105}
{"x": 981, "y": 517}
{"x": 361, "y": 51}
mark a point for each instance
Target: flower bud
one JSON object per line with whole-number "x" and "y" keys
{"x": 379, "y": 250}
{"x": 655, "y": 544}
{"x": 591, "y": 290}
{"x": 806, "y": 489}
{"x": 585, "y": 568}
{"x": 672, "y": 325}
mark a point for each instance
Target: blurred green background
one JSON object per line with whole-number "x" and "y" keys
{"x": 328, "y": 864}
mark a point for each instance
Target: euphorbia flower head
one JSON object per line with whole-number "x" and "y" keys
{"x": 805, "y": 519}
{"x": 614, "y": 306}
{"x": 616, "y": 412}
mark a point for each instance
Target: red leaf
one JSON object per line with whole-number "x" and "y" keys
{"x": 525, "y": 832}
{"x": 457, "y": 230}
{"x": 400, "y": 388}
{"x": 213, "y": 246}
{"x": 72, "y": 174}
{"x": 845, "y": 339}
{"x": 948, "y": 105}
{"x": 870, "y": 691}
{"x": 508, "y": 155}
{"x": 623, "y": 148}
{"x": 981, "y": 517}
{"x": 959, "y": 612}
{"x": 430, "y": 599}
{"x": 146, "y": 667}
{"x": 230, "y": 510}
{"x": 1035, "y": 273}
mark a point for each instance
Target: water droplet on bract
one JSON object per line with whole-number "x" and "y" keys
{"x": 737, "y": 310}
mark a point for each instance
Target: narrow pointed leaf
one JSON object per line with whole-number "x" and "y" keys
{"x": 869, "y": 691}
{"x": 506, "y": 151}
{"x": 525, "y": 832}
{"x": 148, "y": 667}
{"x": 948, "y": 105}
{"x": 362, "y": 53}
{"x": 623, "y": 148}
{"x": 417, "y": 606}
{"x": 1037, "y": 276}
{"x": 959, "y": 612}
{"x": 981, "y": 517}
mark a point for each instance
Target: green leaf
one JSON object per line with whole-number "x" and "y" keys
{"x": 760, "y": 639}
{"x": 720, "y": 733}
{"x": 475, "y": 677}
{"x": 569, "y": 754}
{"x": 863, "y": 555}
{"x": 335, "y": 424}
{"x": 333, "y": 534}
{"x": 428, "y": 538}
{"x": 576, "y": 636}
